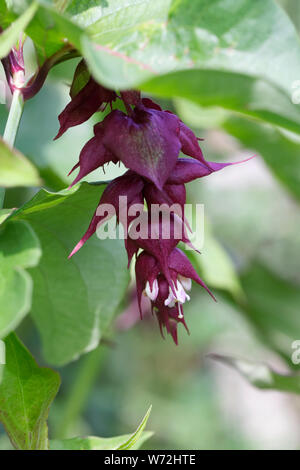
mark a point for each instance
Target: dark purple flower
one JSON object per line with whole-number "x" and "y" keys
{"x": 158, "y": 233}
{"x": 173, "y": 191}
{"x": 169, "y": 316}
{"x": 90, "y": 99}
{"x": 170, "y": 194}
{"x": 131, "y": 98}
{"x": 92, "y": 156}
{"x": 128, "y": 185}
{"x": 154, "y": 285}
{"x": 146, "y": 142}
{"x": 166, "y": 295}
{"x": 188, "y": 140}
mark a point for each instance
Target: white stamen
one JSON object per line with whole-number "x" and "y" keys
{"x": 185, "y": 281}
{"x": 152, "y": 293}
{"x": 180, "y": 313}
{"x": 181, "y": 295}
{"x": 171, "y": 300}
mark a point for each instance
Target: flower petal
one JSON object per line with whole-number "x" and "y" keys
{"x": 84, "y": 105}
{"x": 180, "y": 263}
{"x": 128, "y": 185}
{"x": 146, "y": 270}
{"x": 92, "y": 156}
{"x": 147, "y": 143}
{"x": 190, "y": 145}
{"x": 187, "y": 170}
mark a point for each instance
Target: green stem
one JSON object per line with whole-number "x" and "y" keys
{"x": 12, "y": 126}
{"x": 14, "y": 117}
{"x": 2, "y": 196}
{"x": 88, "y": 371}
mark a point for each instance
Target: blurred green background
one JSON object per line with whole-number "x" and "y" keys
{"x": 250, "y": 259}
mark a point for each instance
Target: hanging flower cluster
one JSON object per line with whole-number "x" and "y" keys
{"x": 148, "y": 141}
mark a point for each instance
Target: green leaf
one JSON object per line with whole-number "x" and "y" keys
{"x": 211, "y": 52}
{"x": 217, "y": 267}
{"x": 273, "y": 307}
{"x": 135, "y": 436}
{"x": 80, "y": 79}
{"x": 4, "y": 214}
{"x": 50, "y": 31}
{"x": 6, "y": 18}
{"x": 105, "y": 19}
{"x": 74, "y": 300}
{"x": 15, "y": 169}
{"x": 26, "y": 393}
{"x": 279, "y": 152}
{"x": 261, "y": 375}
{"x": 215, "y": 264}
{"x": 220, "y": 35}
{"x": 19, "y": 249}
{"x": 97, "y": 443}
{"x": 232, "y": 91}
{"x": 11, "y": 35}
{"x": 198, "y": 116}
{"x": 125, "y": 442}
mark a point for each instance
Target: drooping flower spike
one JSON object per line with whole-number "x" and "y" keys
{"x": 148, "y": 141}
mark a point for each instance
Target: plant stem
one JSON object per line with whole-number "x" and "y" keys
{"x": 12, "y": 126}
{"x": 14, "y": 117}
{"x": 80, "y": 390}
{"x": 2, "y": 196}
